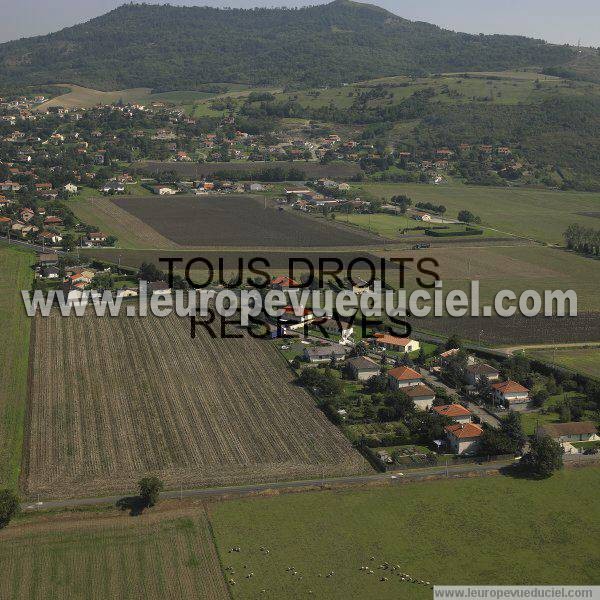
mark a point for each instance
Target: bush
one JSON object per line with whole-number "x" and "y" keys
{"x": 9, "y": 506}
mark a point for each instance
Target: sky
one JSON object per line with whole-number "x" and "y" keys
{"x": 553, "y": 20}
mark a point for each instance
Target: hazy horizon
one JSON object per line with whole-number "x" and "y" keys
{"x": 554, "y": 21}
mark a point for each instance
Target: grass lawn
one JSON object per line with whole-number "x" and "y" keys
{"x": 538, "y": 214}
{"x": 14, "y": 359}
{"x": 583, "y": 360}
{"x": 471, "y": 531}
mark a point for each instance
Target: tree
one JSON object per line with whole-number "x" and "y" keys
{"x": 545, "y": 456}
{"x": 150, "y": 488}
{"x": 539, "y": 397}
{"x": 513, "y": 429}
{"x": 9, "y": 506}
{"x": 453, "y": 343}
{"x": 466, "y": 216}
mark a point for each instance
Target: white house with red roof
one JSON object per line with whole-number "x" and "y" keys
{"x": 511, "y": 394}
{"x": 392, "y": 342}
{"x": 456, "y": 412}
{"x": 403, "y": 377}
{"x": 463, "y": 438}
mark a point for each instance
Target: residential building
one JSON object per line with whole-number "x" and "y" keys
{"x": 456, "y": 412}
{"x": 510, "y": 394}
{"x": 579, "y": 431}
{"x": 475, "y": 372}
{"x": 422, "y": 395}
{"x": 398, "y": 344}
{"x": 403, "y": 377}
{"x": 362, "y": 368}
{"x": 463, "y": 438}
{"x": 320, "y": 354}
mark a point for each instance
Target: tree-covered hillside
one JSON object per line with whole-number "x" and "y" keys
{"x": 182, "y": 47}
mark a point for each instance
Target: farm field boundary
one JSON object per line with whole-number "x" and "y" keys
{"x": 15, "y": 266}
{"x": 149, "y": 399}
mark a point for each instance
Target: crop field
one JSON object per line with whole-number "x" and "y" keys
{"x": 516, "y": 268}
{"x": 538, "y": 214}
{"x": 99, "y": 557}
{"x": 130, "y": 231}
{"x": 335, "y": 170}
{"x": 115, "y": 398}
{"x": 478, "y": 531}
{"x": 581, "y": 360}
{"x": 514, "y": 331}
{"x": 14, "y": 359}
{"x": 236, "y": 221}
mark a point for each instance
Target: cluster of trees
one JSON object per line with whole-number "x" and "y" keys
{"x": 583, "y": 239}
{"x": 439, "y": 209}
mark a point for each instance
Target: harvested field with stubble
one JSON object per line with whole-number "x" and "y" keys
{"x": 236, "y": 221}
{"x": 91, "y": 557}
{"x": 335, "y": 170}
{"x": 146, "y": 398}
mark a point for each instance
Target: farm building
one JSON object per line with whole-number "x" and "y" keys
{"x": 422, "y": 395}
{"x": 362, "y": 368}
{"x": 403, "y": 377}
{"x": 510, "y": 394}
{"x": 320, "y": 354}
{"x": 463, "y": 438}
{"x": 163, "y": 190}
{"x": 456, "y": 412}
{"x": 47, "y": 260}
{"x": 398, "y": 344}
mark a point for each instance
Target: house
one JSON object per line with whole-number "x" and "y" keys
{"x": 97, "y": 238}
{"x": 5, "y": 221}
{"x": 334, "y": 327}
{"x": 47, "y": 237}
{"x": 254, "y": 187}
{"x": 283, "y": 282}
{"x": 158, "y": 287}
{"x": 456, "y": 412}
{"x": 47, "y": 259}
{"x": 163, "y": 190}
{"x": 565, "y": 433}
{"x": 320, "y": 354}
{"x": 362, "y": 368}
{"x": 294, "y": 319}
{"x": 510, "y": 394}
{"x": 422, "y": 395}
{"x": 50, "y": 273}
{"x": 53, "y": 221}
{"x": 463, "y": 438}
{"x": 403, "y": 377}
{"x": 392, "y": 342}
{"x": 113, "y": 187}
{"x": 475, "y": 372}
{"x": 26, "y": 215}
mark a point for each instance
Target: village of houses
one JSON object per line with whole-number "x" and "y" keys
{"x": 458, "y": 393}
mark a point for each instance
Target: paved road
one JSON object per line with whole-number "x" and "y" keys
{"x": 397, "y": 476}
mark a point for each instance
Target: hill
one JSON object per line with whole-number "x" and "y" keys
{"x": 169, "y": 47}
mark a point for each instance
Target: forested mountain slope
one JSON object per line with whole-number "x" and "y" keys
{"x": 181, "y": 47}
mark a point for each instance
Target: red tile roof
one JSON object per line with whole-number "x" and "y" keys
{"x": 404, "y": 373}
{"x": 284, "y": 280}
{"x": 509, "y": 387}
{"x": 392, "y": 340}
{"x": 452, "y": 410}
{"x": 463, "y": 431}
